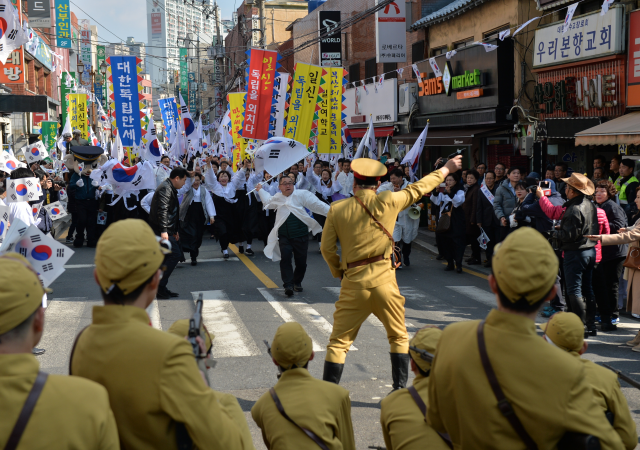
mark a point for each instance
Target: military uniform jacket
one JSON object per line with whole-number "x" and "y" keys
{"x": 316, "y": 405}
{"x": 403, "y": 425}
{"x": 462, "y": 403}
{"x": 361, "y": 238}
{"x": 72, "y": 413}
{"x": 610, "y": 398}
{"x": 153, "y": 382}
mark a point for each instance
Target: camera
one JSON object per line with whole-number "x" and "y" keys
{"x": 546, "y": 188}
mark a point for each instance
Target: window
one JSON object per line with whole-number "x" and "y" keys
{"x": 370, "y": 70}
{"x": 464, "y": 43}
{"x": 438, "y": 51}
{"x": 354, "y": 72}
{"x": 493, "y": 34}
{"x": 389, "y": 69}
{"x": 417, "y": 54}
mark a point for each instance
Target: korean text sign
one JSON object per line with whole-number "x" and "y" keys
{"x": 169, "y": 110}
{"x": 49, "y": 135}
{"x": 589, "y": 36}
{"x": 77, "y": 110}
{"x": 633, "y": 75}
{"x": 124, "y": 82}
{"x": 302, "y": 106}
{"x": 330, "y": 112}
{"x": 236, "y": 109}
{"x": 184, "y": 76}
{"x": 13, "y": 70}
{"x": 257, "y": 115}
{"x": 391, "y": 35}
{"x": 63, "y": 24}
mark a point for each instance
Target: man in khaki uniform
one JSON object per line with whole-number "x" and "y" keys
{"x": 368, "y": 280}
{"x": 462, "y": 401}
{"x": 70, "y": 413}
{"x": 152, "y": 378}
{"x": 320, "y": 407}
{"x": 402, "y": 419}
{"x": 566, "y": 331}
{"x": 78, "y": 140}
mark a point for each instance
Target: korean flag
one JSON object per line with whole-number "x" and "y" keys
{"x": 23, "y": 190}
{"x": 4, "y": 222}
{"x": 8, "y": 163}
{"x": 34, "y": 152}
{"x": 55, "y": 210}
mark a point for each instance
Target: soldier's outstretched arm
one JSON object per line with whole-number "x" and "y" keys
{"x": 414, "y": 192}
{"x": 329, "y": 246}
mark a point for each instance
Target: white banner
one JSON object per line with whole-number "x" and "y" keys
{"x": 391, "y": 33}
{"x": 280, "y": 83}
{"x": 588, "y": 36}
{"x": 278, "y": 154}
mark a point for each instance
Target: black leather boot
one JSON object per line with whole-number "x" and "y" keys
{"x": 578, "y": 307}
{"x": 332, "y": 372}
{"x": 399, "y": 370}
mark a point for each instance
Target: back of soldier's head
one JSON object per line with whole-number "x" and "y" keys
{"x": 292, "y": 347}
{"x": 525, "y": 269}
{"x": 564, "y": 330}
{"x": 128, "y": 256}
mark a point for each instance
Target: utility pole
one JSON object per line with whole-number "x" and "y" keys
{"x": 198, "y": 84}
{"x": 263, "y": 25}
{"x": 219, "y": 68}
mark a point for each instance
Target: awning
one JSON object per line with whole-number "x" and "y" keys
{"x": 623, "y": 130}
{"x": 380, "y": 132}
{"x": 567, "y": 127}
{"x": 463, "y": 136}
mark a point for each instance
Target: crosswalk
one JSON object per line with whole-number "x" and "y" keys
{"x": 241, "y": 323}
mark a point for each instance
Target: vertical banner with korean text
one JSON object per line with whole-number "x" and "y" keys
{"x": 236, "y": 111}
{"x": 184, "y": 73}
{"x": 260, "y": 90}
{"x": 302, "y": 106}
{"x": 63, "y": 24}
{"x": 125, "y": 86}
{"x": 278, "y": 113}
{"x": 64, "y": 90}
{"x": 77, "y": 111}
{"x": 49, "y": 136}
{"x": 329, "y": 111}
{"x": 193, "y": 93}
{"x": 169, "y": 111}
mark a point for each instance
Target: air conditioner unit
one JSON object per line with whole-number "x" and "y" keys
{"x": 407, "y": 96}
{"x": 526, "y": 146}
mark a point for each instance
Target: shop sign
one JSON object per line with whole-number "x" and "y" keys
{"x": 391, "y": 33}
{"x": 472, "y": 93}
{"x": 633, "y": 72}
{"x": 469, "y": 79}
{"x": 331, "y": 42}
{"x": 432, "y": 86}
{"x": 589, "y": 36}
{"x": 382, "y": 105}
{"x": 13, "y": 70}
{"x": 587, "y": 91}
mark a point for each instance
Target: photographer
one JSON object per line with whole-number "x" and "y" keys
{"x": 531, "y": 205}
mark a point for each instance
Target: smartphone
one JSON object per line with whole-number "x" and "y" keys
{"x": 546, "y": 188}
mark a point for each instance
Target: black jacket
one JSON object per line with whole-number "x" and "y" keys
{"x": 580, "y": 219}
{"x": 531, "y": 207}
{"x": 485, "y": 214}
{"x": 163, "y": 215}
{"x": 617, "y": 219}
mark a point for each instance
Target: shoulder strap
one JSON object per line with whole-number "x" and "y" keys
{"x": 374, "y": 219}
{"x": 73, "y": 349}
{"x": 27, "y": 409}
{"x": 423, "y": 409}
{"x": 503, "y": 404}
{"x": 309, "y": 433}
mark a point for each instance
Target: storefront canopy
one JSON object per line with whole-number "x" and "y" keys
{"x": 623, "y": 130}
{"x": 463, "y": 136}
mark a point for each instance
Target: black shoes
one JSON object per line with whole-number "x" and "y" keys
{"x": 249, "y": 252}
{"x": 459, "y": 269}
{"x": 591, "y": 328}
{"x": 473, "y": 262}
{"x": 406, "y": 260}
{"x": 172, "y": 294}
{"x": 194, "y": 262}
{"x": 399, "y": 370}
{"x": 225, "y": 255}
{"x": 333, "y": 372}
{"x": 165, "y": 294}
{"x": 37, "y": 351}
{"x": 439, "y": 258}
{"x": 449, "y": 268}
{"x": 241, "y": 249}
{"x": 288, "y": 291}
{"x": 297, "y": 287}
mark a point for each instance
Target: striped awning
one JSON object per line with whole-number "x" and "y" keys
{"x": 623, "y": 130}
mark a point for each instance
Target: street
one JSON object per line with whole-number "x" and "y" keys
{"x": 244, "y": 305}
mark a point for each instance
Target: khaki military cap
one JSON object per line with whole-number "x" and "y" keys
{"x": 564, "y": 330}
{"x": 181, "y": 328}
{"x": 368, "y": 168}
{"x": 291, "y": 346}
{"x": 525, "y": 266}
{"x": 21, "y": 293}
{"x": 127, "y": 255}
{"x": 424, "y": 339}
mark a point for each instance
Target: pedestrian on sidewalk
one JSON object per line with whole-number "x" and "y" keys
{"x": 290, "y": 235}
{"x": 451, "y": 241}
{"x": 469, "y": 207}
{"x": 486, "y": 218}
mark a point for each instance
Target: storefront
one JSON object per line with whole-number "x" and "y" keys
{"x": 467, "y": 106}
{"x": 378, "y": 102}
{"x": 580, "y": 85}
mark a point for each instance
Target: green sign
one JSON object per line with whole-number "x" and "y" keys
{"x": 100, "y": 56}
{"x": 64, "y": 90}
{"x": 49, "y": 134}
{"x": 184, "y": 73}
{"x": 469, "y": 79}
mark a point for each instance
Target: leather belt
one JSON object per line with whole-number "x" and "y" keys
{"x": 364, "y": 262}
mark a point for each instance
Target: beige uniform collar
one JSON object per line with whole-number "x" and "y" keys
{"x": 18, "y": 364}
{"x": 294, "y": 374}
{"x": 110, "y": 314}
{"x": 512, "y": 323}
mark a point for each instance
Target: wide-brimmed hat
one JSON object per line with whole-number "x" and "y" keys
{"x": 581, "y": 183}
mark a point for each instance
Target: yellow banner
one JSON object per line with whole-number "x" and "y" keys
{"x": 77, "y": 110}
{"x": 302, "y": 106}
{"x": 330, "y": 108}
{"x": 236, "y": 111}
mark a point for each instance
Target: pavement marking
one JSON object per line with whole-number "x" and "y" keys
{"x": 286, "y": 316}
{"x": 86, "y": 266}
{"x": 318, "y": 320}
{"x": 260, "y": 275}
{"x": 79, "y": 266}
{"x": 475, "y": 293}
{"x": 232, "y": 338}
{"x": 473, "y": 272}
{"x": 372, "y": 319}
{"x": 154, "y": 314}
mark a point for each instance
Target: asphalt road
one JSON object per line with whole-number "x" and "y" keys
{"x": 244, "y": 304}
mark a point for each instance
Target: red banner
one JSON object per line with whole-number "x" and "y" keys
{"x": 257, "y": 114}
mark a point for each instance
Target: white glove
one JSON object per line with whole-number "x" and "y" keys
{"x": 80, "y": 182}
{"x": 95, "y": 183}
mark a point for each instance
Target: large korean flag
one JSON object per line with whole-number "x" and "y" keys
{"x": 4, "y": 221}
{"x": 23, "y": 190}
{"x": 126, "y": 179}
{"x": 8, "y": 163}
{"x": 12, "y": 35}
{"x": 278, "y": 154}
{"x": 35, "y": 152}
